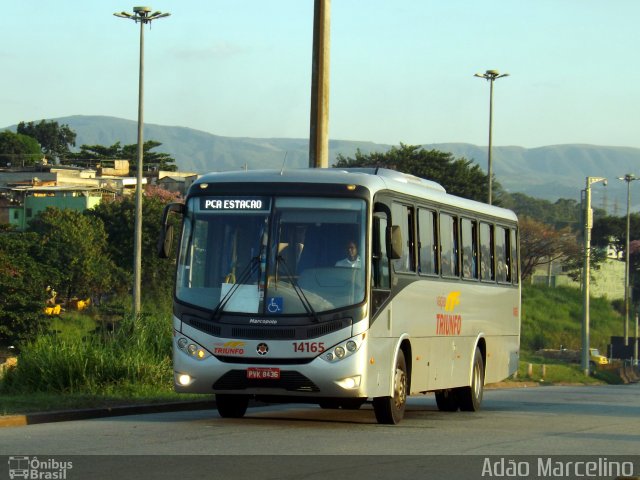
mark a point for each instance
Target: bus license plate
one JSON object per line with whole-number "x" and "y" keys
{"x": 263, "y": 373}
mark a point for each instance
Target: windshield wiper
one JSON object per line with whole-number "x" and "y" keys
{"x": 296, "y": 288}
{"x": 244, "y": 275}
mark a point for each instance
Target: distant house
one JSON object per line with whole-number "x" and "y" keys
{"x": 176, "y": 181}
{"x": 607, "y": 281}
{"x": 28, "y": 201}
{"x": 109, "y": 175}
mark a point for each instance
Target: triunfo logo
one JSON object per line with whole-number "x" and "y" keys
{"x": 448, "y": 323}
{"x": 229, "y": 348}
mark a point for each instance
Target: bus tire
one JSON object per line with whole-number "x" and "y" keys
{"x": 470, "y": 398}
{"x": 390, "y": 410}
{"x": 447, "y": 401}
{"x": 232, "y": 406}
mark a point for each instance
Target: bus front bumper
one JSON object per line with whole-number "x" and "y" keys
{"x": 345, "y": 378}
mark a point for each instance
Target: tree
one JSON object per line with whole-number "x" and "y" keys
{"x": 458, "y": 176}
{"x": 151, "y": 160}
{"x": 612, "y": 231}
{"x": 564, "y": 212}
{"x": 23, "y": 283}
{"x": 74, "y": 251}
{"x": 17, "y": 149}
{"x": 541, "y": 244}
{"x": 118, "y": 219}
{"x": 54, "y": 139}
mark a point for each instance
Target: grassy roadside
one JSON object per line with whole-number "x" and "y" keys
{"x": 548, "y": 372}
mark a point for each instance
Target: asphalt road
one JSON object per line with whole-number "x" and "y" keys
{"x": 601, "y": 423}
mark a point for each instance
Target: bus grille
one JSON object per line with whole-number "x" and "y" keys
{"x": 290, "y": 381}
{"x": 265, "y": 361}
{"x": 205, "y": 326}
{"x": 324, "y": 329}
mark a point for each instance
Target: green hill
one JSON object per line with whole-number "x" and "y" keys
{"x": 549, "y": 172}
{"x": 552, "y": 318}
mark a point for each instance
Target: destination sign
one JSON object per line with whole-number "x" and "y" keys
{"x": 253, "y": 204}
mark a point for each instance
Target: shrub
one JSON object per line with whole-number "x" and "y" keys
{"x": 135, "y": 353}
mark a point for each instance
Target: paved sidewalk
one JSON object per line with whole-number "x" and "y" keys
{"x": 68, "y": 415}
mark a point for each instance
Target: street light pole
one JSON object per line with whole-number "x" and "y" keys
{"x": 143, "y": 16}
{"x": 588, "y": 224}
{"x": 629, "y": 177}
{"x": 490, "y": 76}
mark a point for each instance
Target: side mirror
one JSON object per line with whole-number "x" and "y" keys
{"x": 165, "y": 240}
{"x": 394, "y": 238}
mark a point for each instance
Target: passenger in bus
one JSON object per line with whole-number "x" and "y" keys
{"x": 353, "y": 259}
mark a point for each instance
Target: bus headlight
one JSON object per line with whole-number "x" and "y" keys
{"x": 192, "y": 349}
{"x": 350, "y": 383}
{"x": 343, "y": 350}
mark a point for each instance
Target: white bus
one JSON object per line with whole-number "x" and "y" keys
{"x": 334, "y": 286}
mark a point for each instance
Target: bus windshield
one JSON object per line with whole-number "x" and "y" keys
{"x": 272, "y": 255}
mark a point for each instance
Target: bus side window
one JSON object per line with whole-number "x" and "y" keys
{"x": 487, "y": 268}
{"x": 380, "y": 260}
{"x": 449, "y": 245}
{"x": 515, "y": 275}
{"x": 502, "y": 255}
{"x": 427, "y": 242}
{"x": 469, "y": 248}
{"x": 403, "y": 216}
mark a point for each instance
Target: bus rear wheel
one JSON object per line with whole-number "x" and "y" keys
{"x": 232, "y": 406}
{"x": 390, "y": 410}
{"x": 470, "y": 397}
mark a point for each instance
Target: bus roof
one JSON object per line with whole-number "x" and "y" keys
{"x": 374, "y": 179}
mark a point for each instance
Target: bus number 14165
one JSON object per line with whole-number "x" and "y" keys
{"x": 305, "y": 347}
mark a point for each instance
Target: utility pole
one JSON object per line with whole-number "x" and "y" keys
{"x": 319, "y": 124}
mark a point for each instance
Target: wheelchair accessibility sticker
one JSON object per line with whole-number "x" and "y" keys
{"x": 275, "y": 304}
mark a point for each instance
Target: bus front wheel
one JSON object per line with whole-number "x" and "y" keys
{"x": 470, "y": 397}
{"x": 232, "y": 406}
{"x": 390, "y": 410}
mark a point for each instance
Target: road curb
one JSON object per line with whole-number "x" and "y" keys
{"x": 103, "y": 412}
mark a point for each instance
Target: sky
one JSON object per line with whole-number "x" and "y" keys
{"x": 400, "y": 70}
